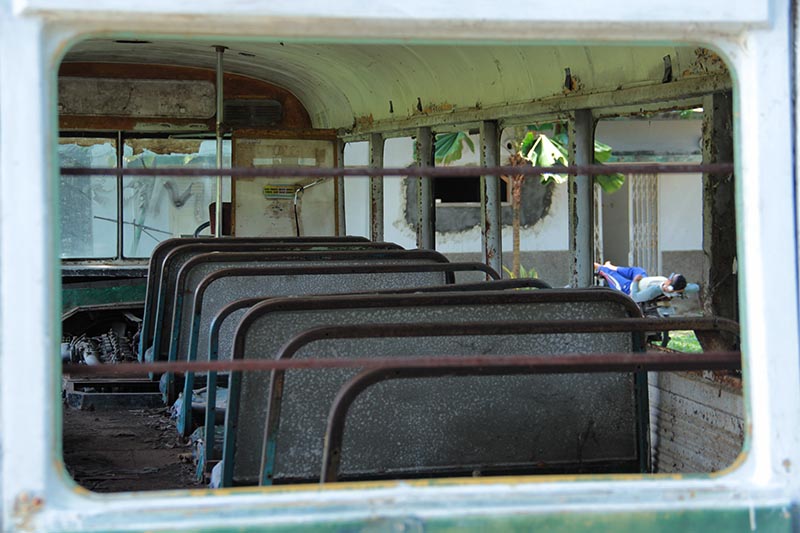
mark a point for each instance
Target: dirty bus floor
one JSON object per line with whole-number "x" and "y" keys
{"x": 126, "y": 450}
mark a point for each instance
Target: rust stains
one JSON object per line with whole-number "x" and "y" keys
{"x": 729, "y": 380}
{"x": 295, "y": 116}
{"x": 575, "y": 84}
{"x": 443, "y": 107}
{"x": 364, "y": 121}
{"x": 26, "y": 507}
{"x": 705, "y": 61}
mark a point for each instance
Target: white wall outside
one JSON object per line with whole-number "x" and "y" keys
{"x": 680, "y": 212}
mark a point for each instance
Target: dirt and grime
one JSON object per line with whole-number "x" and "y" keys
{"x": 126, "y": 450}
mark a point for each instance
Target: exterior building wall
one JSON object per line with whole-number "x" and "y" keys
{"x": 545, "y": 245}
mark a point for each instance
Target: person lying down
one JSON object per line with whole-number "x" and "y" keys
{"x": 635, "y": 282}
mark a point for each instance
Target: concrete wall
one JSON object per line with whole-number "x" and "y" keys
{"x": 696, "y": 421}
{"x": 552, "y": 266}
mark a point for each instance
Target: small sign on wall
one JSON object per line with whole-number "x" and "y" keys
{"x": 274, "y": 192}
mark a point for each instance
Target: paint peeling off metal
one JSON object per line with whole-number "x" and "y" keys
{"x": 491, "y": 231}
{"x": 705, "y": 62}
{"x": 365, "y": 120}
{"x": 443, "y": 107}
{"x": 136, "y": 98}
{"x": 26, "y": 507}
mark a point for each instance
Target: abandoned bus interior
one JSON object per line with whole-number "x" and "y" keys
{"x": 353, "y": 278}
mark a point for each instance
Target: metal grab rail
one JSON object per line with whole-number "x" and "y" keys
{"x": 434, "y": 172}
{"x": 592, "y": 363}
{"x": 268, "y": 365}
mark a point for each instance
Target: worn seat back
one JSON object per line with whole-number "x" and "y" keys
{"x": 156, "y": 263}
{"x": 223, "y": 328}
{"x": 221, "y": 286}
{"x": 184, "y": 338}
{"x": 571, "y": 422}
{"x": 166, "y": 264}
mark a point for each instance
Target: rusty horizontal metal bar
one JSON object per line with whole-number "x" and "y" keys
{"x": 560, "y": 364}
{"x": 435, "y": 172}
{"x": 360, "y": 331}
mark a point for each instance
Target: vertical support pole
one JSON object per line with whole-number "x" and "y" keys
{"x": 581, "y": 152}
{"x": 376, "y": 188}
{"x": 491, "y": 219}
{"x": 120, "y": 214}
{"x": 598, "y": 221}
{"x": 719, "y": 210}
{"x": 219, "y": 118}
{"x": 426, "y": 209}
{"x": 340, "y": 225}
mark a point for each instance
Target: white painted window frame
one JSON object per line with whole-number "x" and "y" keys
{"x": 753, "y": 38}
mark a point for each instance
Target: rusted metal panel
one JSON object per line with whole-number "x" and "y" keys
{"x": 341, "y": 218}
{"x": 295, "y": 115}
{"x": 376, "y": 188}
{"x": 135, "y": 98}
{"x": 581, "y": 196}
{"x": 491, "y": 217}
{"x": 719, "y": 209}
{"x": 426, "y": 208}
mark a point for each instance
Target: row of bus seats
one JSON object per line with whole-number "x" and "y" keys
{"x": 341, "y": 298}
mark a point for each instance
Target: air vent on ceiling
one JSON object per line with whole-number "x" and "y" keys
{"x": 252, "y": 113}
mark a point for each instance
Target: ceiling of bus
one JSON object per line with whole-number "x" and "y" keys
{"x": 346, "y": 84}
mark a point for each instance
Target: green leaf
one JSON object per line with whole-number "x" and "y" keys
{"x": 602, "y": 152}
{"x": 523, "y": 272}
{"x": 449, "y": 146}
{"x": 562, "y": 141}
{"x": 468, "y": 141}
{"x": 610, "y": 182}
{"x": 527, "y": 143}
{"x": 545, "y": 153}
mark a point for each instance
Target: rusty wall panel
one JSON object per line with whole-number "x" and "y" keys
{"x": 135, "y": 97}
{"x": 295, "y": 115}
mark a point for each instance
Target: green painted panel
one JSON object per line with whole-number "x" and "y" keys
{"x": 768, "y": 519}
{"x": 701, "y": 521}
{"x": 77, "y": 297}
